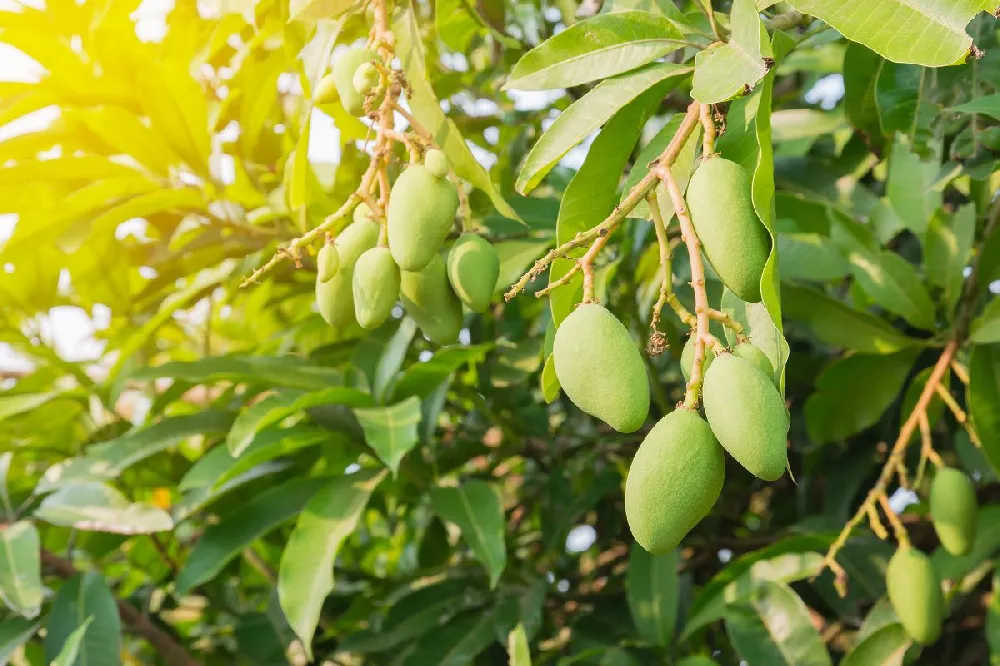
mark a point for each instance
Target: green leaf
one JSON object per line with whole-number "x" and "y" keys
{"x": 681, "y": 169}
{"x": 986, "y": 327}
{"x": 550, "y": 383}
{"x": 426, "y": 108}
{"x": 517, "y": 647}
{"x": 902, "y": 97}
{"x": 653, "y": 593}
{"x": 273, "y": 371}
{"x": 391, "y": 431}
{"x": 596, "y": 48}
{"x": 884, "y": 647}
{"x": 773, "y": 627}
{"x": 988, "y": 105}
{"x": 421, "y": 379}
{"x": 810, "y": 257}
{"x": 14, "y": 632}
{"x": 455, "y": 644}
{"x": 146, "y": 205}
{"x": 305, "y": 576}
{"x": 861, "y": 72}
{"x": 275, "y": 408}
{"x": 837, "y": 324}
{"x": 909, "y": 186}
{"x": 476, "y": 509}
{"x": 314, "y": 10}
{"x": 947, "y": 249}
{"x": 99, "y": 508}
{"x": 796, "y": 124}
{"x": 723, "y": 70}
{"x": 587, "y": 114}
{"x": 6, "y": 507}
{"x": 71, "y": 648}
{"x": 12, "y": 405}
{"x": 853, "y": 392}
{"x": 757, "y": 325}
{"x": 984, "y": 399}
{"x": 265, "y": 446}
{"x": 224, "y": 540}
{"x": 992, "y": 622}
{"x": 924, "y": 32}
{"x": 85, "y": 597}
{"x": 20, "y": 569}
{"x": 392, "y": 359}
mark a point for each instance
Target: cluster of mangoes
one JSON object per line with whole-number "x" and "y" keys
{"x": 678, "y": 471}
{"x": 913, "y": 584}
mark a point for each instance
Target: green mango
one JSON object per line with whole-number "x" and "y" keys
{"x": 326, "y": 90}
{"x": 674, "y": 480}
{"x": 422, "y": 211}
{"x": 954, "y": 510}
{"x": 327, "y": 262}
{"x": 428, "y": 298}
{"x": 600, "y": 368}
{"x": 335, "y": 297}
{"x": 343, "y": 71}
{"x": 748, "y": 352}
{"x": 437, "y": 163}
{"x": 747, "y": 415}
{"x": 687, "y": 358}
{"x": 733, "y": 238}
{"x": 473, "y": 269}
{"x": 366, "y": 78}
{"x": 915, "y": 594}
{"x": 376, "y": 287}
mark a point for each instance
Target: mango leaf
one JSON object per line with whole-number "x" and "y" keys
{"x": 313, "y": 10}
{"x": 421, "y": 379}
{"x": 587, "y": 114}
{"x": 305, "y": 576}
{"x": 456, "y": 643}
{"x": 773, "y": 626}
{"x": 724, "y": 70}
{"x": 923, "y": 32}
{"x": 853, "y": 393}
{"x": 653, "y": 593}
{"x": 476, "y": 509}
{"x": 909, "y": 186}
{"x": 986, "y": 327}
{"x": 12, "y": 405}
{"x": 15, "y": 632}
{"x": 984, "y": 399}
{"x": 796, "y": 124}
{"x": 550, "y": 383}
{"x": 861, "y": 71}
{"x": 20, "y": 569}
{"x": 224, "y": 540}
{"x": 517, "y": 647}
{"x": 391, "y": 431}
{"x": 6, "y": 506}
{"x": 757, "y": 325}
{"x": 884, "y": 647}
{"x": 99, "y": 508}
{"x": 992, "y": 621}
{"x": 71, "y": 648}
{"x": 947, "y": 248}
{"x": 987, "y": 104}
{"x": 266, "y": 445}
{"x": 426, "y": 108}
{"x": 85, "y": 598}
{"x": 809, "y": 257}
{"x": 681, "y": 169}
{"x": 596, "y": 48}
{"x": 272, "y": 371}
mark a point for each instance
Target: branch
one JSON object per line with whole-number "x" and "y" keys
{"x": 172, "y": 652}
{"x": 667, "y": 295}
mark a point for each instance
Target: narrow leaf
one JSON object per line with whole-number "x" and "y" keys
{"x": 884, "y": 647}
{"x": 653, "y": 593}
{"x": 85, "y": 597}
{"x": 984, "y": 399}
{"x": 476, "y": 509}
{"x": 15, "y": 632}
{"x": 71, "y": 648}
{"x": 517, "y": 647}
{"x": 722, "y": 71}
{"x": 391, "y": 431}
{"x": 20, "y": 569}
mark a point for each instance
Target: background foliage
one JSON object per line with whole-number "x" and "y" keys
{"x": 228, "y": 480}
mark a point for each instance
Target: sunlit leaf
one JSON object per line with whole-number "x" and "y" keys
{"x": 85, "y": 598}
{"x": 20, "y": 569}
{"x": 476, "y": 509}
{"x": 723, "y": 70}
{"x": 391, "y": 431}
{"x": 100, "y": 508}
{"x": 773, "y": 626}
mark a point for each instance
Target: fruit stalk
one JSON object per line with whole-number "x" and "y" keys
{"x": 708, "y": 140}
{"x": 667, "y": 295}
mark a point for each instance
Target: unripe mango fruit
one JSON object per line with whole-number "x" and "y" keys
{"x": 376, "y": 287}
{"x": 335, "y": 297}
{"x": 748, "y": 352}
{"x": 327, "y": 262}
{"x": 674, "y": 480}
{"x": 747, "y": 415}
{"x": 915, "y": 594}
{"x": 954, "y": 510}
{"x": 436, "y": 162}
{"x": 473, "y": 269}
{"x": 422, "y": 210}
{"x": 600, "y": 369}
{"x": 735, "y": 241}
{"x": 362, "y": 213}
{"x": 366, "y": 78}
{"x": 326, "y": 90}
{"x": 428, "y": 298}
{"x": 687, "y": 358}
{"x": 343, "y": 71}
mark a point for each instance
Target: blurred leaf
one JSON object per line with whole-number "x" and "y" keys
{"x": 550, "y": 383}
{"x": 476, "y": 509}
{"x": 587, "y": 114}
{"x": 596, "y": 48}
{"x": 266, "y": 445}
{"x": 861, "y": 71}
{"x": 653, "y": 594}
{"x": 810, "y": 257}
{"x": 681, "y": 169}
{"x": 456, "y": 643}
{"x": 14, "y": 632}
{"x": 517, "y": 647}
{"x": 947, "y": 248}
{"x": 85, "y": 598}
{"x": 724, "y": 70}
{"x": 391, "y": 431}
{"x": 885, "y": 647}
{"x": 20, "y": 569}
{"x": 225, "y": 540}
{"x": 984, "y": 399}
{"x": 909, "y": 186}
{"x": 925, "y": 31}
{"x": 305, "y": 577}
{"x": 985, "y": 328}
{"x": 987, "y": 104}
{"x": 311, "y": 10}
{"x": 992, "y": 621}
{"x": 100, "y": 508}
{"x": 795, "y": 124}
{"x": 773, "y": 626}
{"x": 71, "y": 648}
{"x": 853, "y": 392}
{"x": 6, "y": 507}
{"x": 987, "y": 544}
{"x": 421, "y": 379}
{"x": 290, "y": 371}
{"x": 392, "y": 359}
{"x": 11, "y": 405}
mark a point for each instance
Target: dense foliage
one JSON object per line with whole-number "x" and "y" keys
{"x": 221, "y": 477}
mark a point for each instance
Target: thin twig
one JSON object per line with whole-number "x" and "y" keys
{"x": 897, "y": 525}
{"x": 708, "y": 140}
{"x": 667, "y": 295}
{"x": 960, "y": 415}
{"x": 552, "y": 286}
{"x": 960, "y": 371}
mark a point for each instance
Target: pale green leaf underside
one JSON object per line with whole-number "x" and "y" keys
{"x": 100, "y": 508}
{"x": 20, "y": 569}
{"x": 723, "y": 71}
{"x": 923, "y": 32}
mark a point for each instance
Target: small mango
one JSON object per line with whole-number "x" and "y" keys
{"x": 437, "y": 163}
{"x": 674, "y": 480}
{"x": 954, "y": 510}
{"x": 747, "y": 415}
{"x": 376, "y": 287}
{"x": 687, "y": 358}
{"x": 362, "y": 213}
{"x": 366, "y": 78}
{"x": 335, "y": 297}
{"x": 422, "y": 210}
{"x": 735, "y": 241}
{"x": 428, "y": 298}
{"x": 326, "y": 90}
{"x": 473, "y": 269}
{"x": 327, "y": 262}
{"x": 343, "y": 71}
{"x": 748, "y": 352}
{"x": 600, "y": 369}
{"x": 915, "y": 594}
